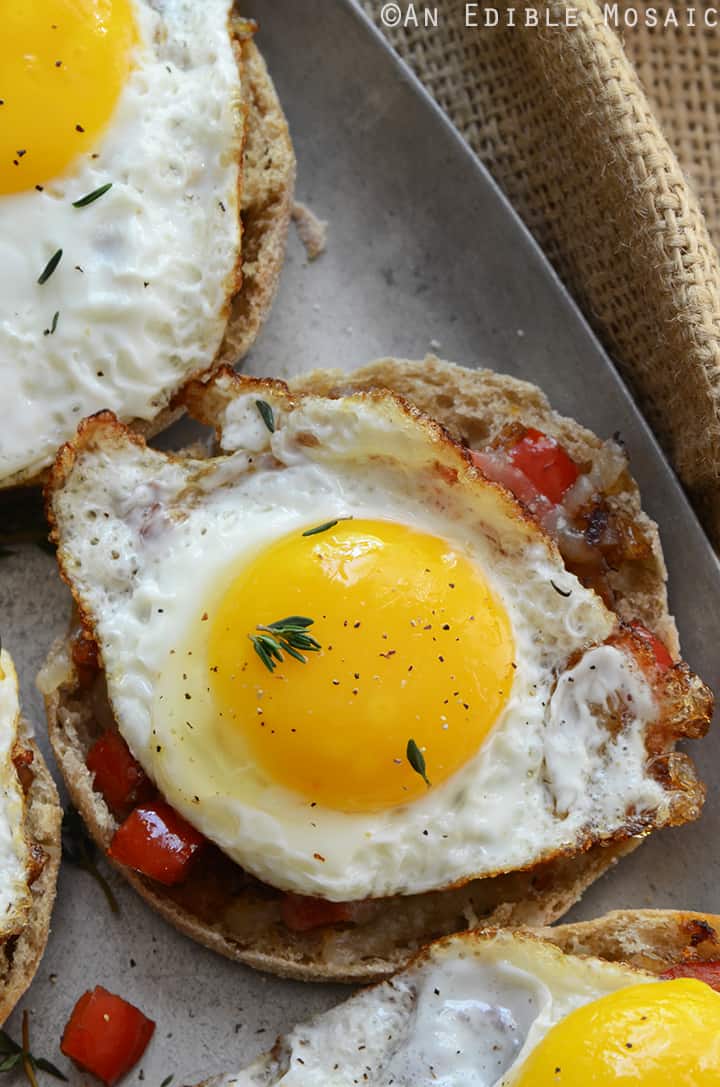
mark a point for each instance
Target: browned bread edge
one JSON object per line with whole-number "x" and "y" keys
{"x": 20, "y": 956}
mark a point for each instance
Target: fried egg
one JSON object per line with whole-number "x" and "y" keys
{"x": 462, "y": 712}
{"x": 15, "y": 896}
{"x": 120, "y": 136}
{"x": 503, "y": 1010}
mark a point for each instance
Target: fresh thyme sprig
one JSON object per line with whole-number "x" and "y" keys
{"x": 80, "y": 850}
{"x": 91, "y": 197}
{"x": 12, "y": 1054}
{"x": 284, "y": 636}
{"x": 417, "y": 760}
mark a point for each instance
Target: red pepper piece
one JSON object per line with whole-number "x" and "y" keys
{"x": 106, "y": 1035}
{"x": 302, "y": 912}
{"x": 709, "y": 972}
{"x": 158, "y": 842}
{"x": 545, "y": 463}
{"x": 117, "y": 775}
{"x": 662, "y": 656}
{"x": 85, "y": 657}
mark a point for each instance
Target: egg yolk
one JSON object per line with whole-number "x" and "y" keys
{"x": 63, "y": 64}
{"x": 664, "y": 1034}
{"x": 414, "y": 647}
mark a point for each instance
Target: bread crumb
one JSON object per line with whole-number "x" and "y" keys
{"x": 311, "y": 230}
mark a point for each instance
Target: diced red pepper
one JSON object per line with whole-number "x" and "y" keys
{"x": 22, "y": 758}
{"x": 158, "y": 842}
{"x": 545, "y": 463}
{"x": 85, "y": 657}
{"x": 117, "y": 775}
{"x": 302, "y": 912}
{"x": 106, "y": 1035}
{"x": 709, "y": 972}
{"x": 660, "y": 651}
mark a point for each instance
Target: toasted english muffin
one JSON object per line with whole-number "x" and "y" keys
{"x": 235, "y": 914}
{"x": 267, "y": 182}
{"x": 30, "y": 796}
{"x": 621, "y": 950}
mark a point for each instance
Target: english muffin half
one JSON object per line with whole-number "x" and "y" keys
{"x": 632, "y": 991}
{"x": 165, "y": 237}
{"x": 30, "y": 818}
{"x": 471, "y": 456}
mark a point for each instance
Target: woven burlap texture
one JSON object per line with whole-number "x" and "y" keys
{"x": 680, "y": 71}
{"x": 562, "y": 122}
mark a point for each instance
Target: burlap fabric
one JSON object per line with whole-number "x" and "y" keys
{"x": 680, "y": 71}
{"x": 560, "y": 118}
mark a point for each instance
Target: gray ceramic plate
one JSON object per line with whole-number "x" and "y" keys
{"x": 423, "y": 254}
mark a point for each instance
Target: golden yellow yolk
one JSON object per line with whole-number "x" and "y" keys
{"x": 415, "y": 645}
{"x": 664, "y": 1034}
{"x": 63, "y": 64}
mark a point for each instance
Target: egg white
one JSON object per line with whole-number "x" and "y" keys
{"x": 467, "y": 1013}
{"x": 147, "y": 270}
{"x": 149, "y": 544}
{"x": 14, "y": 853}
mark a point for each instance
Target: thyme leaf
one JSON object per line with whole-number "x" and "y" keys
{"x": 91, "y": 197}
{"x": 266, "y": 414}
{"x": 325, "y": 526}
{"x": 417, "y": 760}
{"x": 50, "y": 267}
